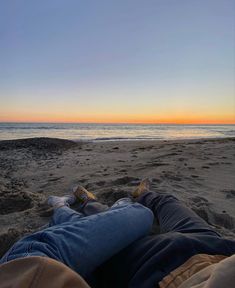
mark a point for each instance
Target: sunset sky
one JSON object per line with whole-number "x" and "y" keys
{"x": 135, "y": 61}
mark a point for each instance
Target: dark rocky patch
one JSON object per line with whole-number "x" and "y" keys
{"x": 43, "y": 143}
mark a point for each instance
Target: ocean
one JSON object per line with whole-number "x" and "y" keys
{"x": 109, "y": 132}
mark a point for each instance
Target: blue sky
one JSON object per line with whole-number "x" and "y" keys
{"x": 120, "y": 58}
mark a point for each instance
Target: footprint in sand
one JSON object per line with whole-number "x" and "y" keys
{"x": 110, "y": 195}
{"x": 156, "y": 164}
{"x": 54, "y": 179}
{"x": 216, "y": 219}
{"x": 199, "y": 201}
{"x": 100, "y": 183}
{"x": 15, "y": 202}
{"x": 171, "y": 176}
{"x": 191, "y": 168}
{"x": 226, "y": 163}
{"x": 201, "y": 206}
{"x": 230, "y": 193}
{"x": 156, "y": 180}
{"x": 115, "y": 148}
{"x": 213, "y": 163}
{"x": 126, "y": 180}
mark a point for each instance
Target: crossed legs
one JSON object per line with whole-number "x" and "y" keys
{"x": 84, "y": 242}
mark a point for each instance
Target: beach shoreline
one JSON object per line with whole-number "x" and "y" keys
{"x": 197, "y": 171}
{"x": 112, "y": 132}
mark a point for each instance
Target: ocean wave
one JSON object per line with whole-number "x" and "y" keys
{"x": 112, "y": 132}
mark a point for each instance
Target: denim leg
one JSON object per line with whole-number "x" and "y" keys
{"x": 93, "y": 207}
{"x": 173, "y": 215}
{"x": 64, "y": 214}
{"x": 85, "y": 244}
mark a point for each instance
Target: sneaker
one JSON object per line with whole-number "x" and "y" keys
{"x": 46, "y": 208}
{"x": 143, "y": 187}
{"x": 56, "y": 201}
{"x": 82, "y": 195}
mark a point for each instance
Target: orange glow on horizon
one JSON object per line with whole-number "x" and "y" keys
{"x": 123, "y": 119}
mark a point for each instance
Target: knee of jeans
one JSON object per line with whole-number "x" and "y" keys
{"x": 146, "y": 214}
{"x": 122, "y": 202}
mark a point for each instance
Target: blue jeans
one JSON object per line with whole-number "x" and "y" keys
{"x": 84, "y": 243}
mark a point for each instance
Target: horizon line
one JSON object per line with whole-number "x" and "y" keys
{"x": 118, "y": 123}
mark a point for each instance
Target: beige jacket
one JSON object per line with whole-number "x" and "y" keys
{"x": 203, "y": 271}
{"x": 38, "y": 272}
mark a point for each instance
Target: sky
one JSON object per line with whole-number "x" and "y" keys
{"x": 132, "y": 61}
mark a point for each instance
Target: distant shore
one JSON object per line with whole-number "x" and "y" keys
{"x": 199, "y": 172}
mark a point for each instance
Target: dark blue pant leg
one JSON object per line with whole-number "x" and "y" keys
{"x": 173, "y": 215}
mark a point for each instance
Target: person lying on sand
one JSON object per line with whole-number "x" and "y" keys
{"x": 188, "y": 252}
{"x": 74, "y": 244}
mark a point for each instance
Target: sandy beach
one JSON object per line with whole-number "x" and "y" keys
{"x": 199, "y": 172}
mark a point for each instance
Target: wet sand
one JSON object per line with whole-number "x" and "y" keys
{"x": 199, "y": 172}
